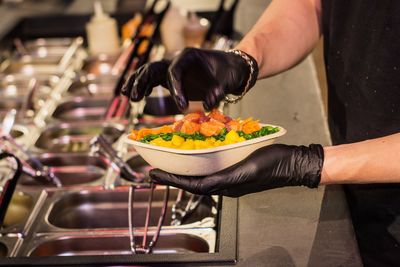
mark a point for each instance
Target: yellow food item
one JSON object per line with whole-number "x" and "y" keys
{"x": 218, "y": 143}
{"x": 159, "y": 142}
{"x": 199, "y": 144}
{"x": 232, "y": 137}
{"x": 188, "y": 144}
{"x": 177, "y": 140}
{"x": 210, "y": 141}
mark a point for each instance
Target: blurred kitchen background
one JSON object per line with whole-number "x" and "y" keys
{"x": 295, "y": 99}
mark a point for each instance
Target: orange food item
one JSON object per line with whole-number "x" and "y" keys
{"x": 212, "y": 127}
{"x": 251, "y": 126}
{"x": 176, "y": 127}
{"x": 216, "y": 115}
{"x": 198, "y": 122}
{"x": 134, "y": 135}
{"x": 164, "y": 129}
{"x": 143, "y": 132}
{"x": 246, "y": 121}
{"x": 234, "y": 125}
{"x": 139, "y": 134}
{"x": 194, "y": 117}
{"x": 190, "y": 127}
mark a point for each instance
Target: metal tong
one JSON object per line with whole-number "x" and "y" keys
{"x": 119, "y": 105}
{"x": 7, "y": 186}
{"x": 101, "y": 146}
{"x": 145, "y": 248}
{"x": 152, "y": 17}
{"x": 69, "y": 54}
{"x": 147, "y": 19}
{"x": 183, "y": 208}
{"x": 217, "y": 22}
{"x": 28, "y": 106}
{"x": 35, "y": 168}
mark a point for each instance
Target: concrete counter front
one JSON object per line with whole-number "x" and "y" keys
{"x": 296, "y": 227}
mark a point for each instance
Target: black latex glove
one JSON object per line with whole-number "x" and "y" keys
{"x": 195, "y": 75}
{"x": 266, "y": 168}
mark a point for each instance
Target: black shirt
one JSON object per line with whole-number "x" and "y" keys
{"x": 362, "y": 57}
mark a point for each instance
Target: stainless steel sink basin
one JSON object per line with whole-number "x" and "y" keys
{"x": 75, "y": 137}
{"x": 18, "y": 131}
{"x": 118, "y": 245}
{"x": 3, "y": 250}
{"x": 18, "y": 91}
{"x": 48, "y": 47}
{"x": 19, "y": 209}
{"x": 8, "y": 245}
{"x": 109, "y": 209}
{"x": 82, "y": 109}
{"x": 7, "y": 104}
{"x": 102, "y": 85}
{"x": 99, "y": 65}
{"x": 18, "y": 85}
{"x": 104, "y": 209}
{"x": 71, "y": 169}
{"x": 29, "y": 65}
{"x": 43, "y": 59}
{"x": 11, "y": 86}
{"x": 48, "y": 42}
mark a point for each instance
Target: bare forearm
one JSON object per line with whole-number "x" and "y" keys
{"x": 286, "y": 32}
{"x": 371, "y": 161}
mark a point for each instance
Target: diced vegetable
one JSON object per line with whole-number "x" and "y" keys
{"x": 201, "y": 131}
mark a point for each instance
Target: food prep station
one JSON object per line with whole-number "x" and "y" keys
{"x": 99, "y": 211}
{"x": 87, "y": 212}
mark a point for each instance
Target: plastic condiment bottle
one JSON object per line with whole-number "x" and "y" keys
{"x": 195, "y": 30}
{"x": 171, "y": 30}
{"x": 102, "y": 33}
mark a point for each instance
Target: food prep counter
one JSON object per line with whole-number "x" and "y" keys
{"x": 281, "y": 227}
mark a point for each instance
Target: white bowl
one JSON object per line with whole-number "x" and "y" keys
{"x": 198, "y": 162}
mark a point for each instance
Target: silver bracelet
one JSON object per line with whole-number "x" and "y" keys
{"x": 234, "y": 99}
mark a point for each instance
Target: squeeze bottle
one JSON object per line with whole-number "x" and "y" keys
{"x": 102, "y": 33}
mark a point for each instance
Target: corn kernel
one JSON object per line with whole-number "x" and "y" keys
{"x": 188, "y": 144}
{"x": 177, "y": 140}
{"x": 232, "y": 137}
{"x": 210, "y": 141}
{"x": 218, "y": 143}
{"x": 198, "y": 144}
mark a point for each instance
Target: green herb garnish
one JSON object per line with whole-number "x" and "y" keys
{"x": 266, "y": 130}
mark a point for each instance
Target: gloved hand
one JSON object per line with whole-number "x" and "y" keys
{"x": 266, "y": 168}
{"x": 195, "y": 75}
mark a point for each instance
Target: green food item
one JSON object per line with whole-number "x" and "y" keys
{"x": 266, "y": 130}
{"x": 166, "y": 136}
{"x": 221, "y": 136}
{"x": 195, "y": 136}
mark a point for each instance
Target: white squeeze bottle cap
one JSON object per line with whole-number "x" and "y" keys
{"x": 102, "y": 32}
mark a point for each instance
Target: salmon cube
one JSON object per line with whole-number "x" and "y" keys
{"x": 190, "y": 127}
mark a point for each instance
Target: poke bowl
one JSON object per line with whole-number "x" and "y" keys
{"x": 206, "y": 160}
